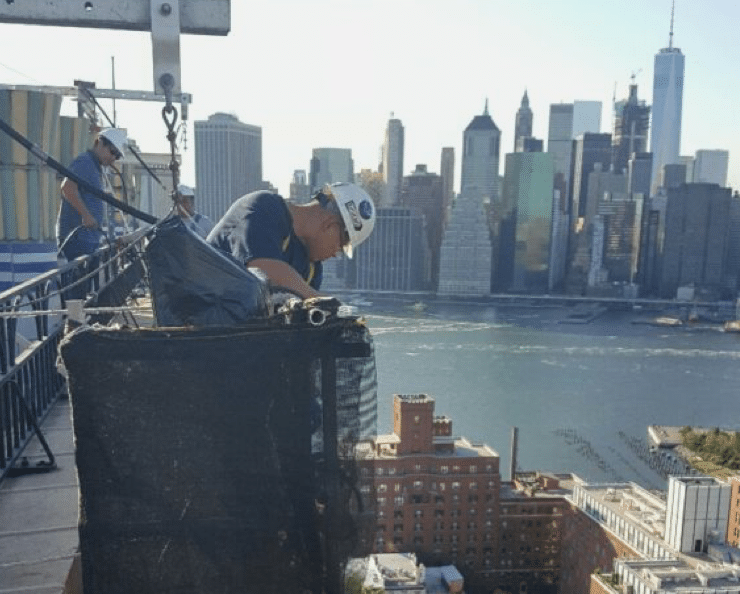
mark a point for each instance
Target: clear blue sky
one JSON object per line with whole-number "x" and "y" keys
{"x": 328, "y": 73}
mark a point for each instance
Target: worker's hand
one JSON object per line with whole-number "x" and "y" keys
{"x": 88, "y": 221}
{"x": 327, "y": 302}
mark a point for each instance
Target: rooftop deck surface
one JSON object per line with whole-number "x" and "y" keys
{"x": 38, "y": 516}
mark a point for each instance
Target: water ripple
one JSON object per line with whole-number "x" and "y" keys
{"x": 580, "y": 351}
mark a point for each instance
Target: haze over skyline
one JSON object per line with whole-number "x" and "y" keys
{"x": 329, "y": 73}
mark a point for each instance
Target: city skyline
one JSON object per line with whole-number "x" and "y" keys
{"x": 434, "y": 85}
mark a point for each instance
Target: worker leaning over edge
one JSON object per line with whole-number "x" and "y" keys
{"x": 289, "y": 241}
{"x": 80, "y": 208}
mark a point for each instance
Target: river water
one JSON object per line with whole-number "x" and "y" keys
{"x": 576, "y": 392}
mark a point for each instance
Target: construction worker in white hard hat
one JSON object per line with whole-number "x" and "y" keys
{"x": 289, "y": 241}
{"x": 197, "y": 222}
{"x": 81, "y": 213}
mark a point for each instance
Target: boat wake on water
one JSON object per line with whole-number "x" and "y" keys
{"x": 384, "y": 324}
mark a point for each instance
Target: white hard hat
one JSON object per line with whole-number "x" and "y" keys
{"x": 117, "y": 137}
{"x": 184, "y": 190}
{"x": 357, "y": 211}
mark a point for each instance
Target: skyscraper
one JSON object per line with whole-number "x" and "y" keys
{"x": 696, "y": 235}
{"x": 330, "y": 165}
{"x": 665, "y": 132}
{"x": 567, "y": 122}
{"x": 688, "y": 161}
{"x": 465, "y": 255}
{"x": 523, "y": 123}
{"x": 639, "y": 169}
{"x": 300, "y": 192}
{"x": 528, "y": 144}
{"x": 393, "y": 161}
{"x": 586, "y": 117}
{"x": 652, "y": 233}
{"x": 711, "y": 167}
{"x": 560, "y": 143}
{"x": 480, "y": 157}
{"x": 423, "y": 190}
{"x": 587, "y": 245}
{"x": 603, "y": 181}
{"x": 732, "y": 265}
{"x": 228, "y": 162}
{"x": 615, "y": 239}
{"x": 588, "y": 149}
{"x": 394, "y": 258}
{"x": 447, "y": 171}
{"x": 674, "y": 174}
{"x": 631, "y": 125}
{"x": 558, "y": 241}
{"x": 526, "y": 202}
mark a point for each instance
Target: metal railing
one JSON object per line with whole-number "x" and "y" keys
{"x": 32, "y": 322}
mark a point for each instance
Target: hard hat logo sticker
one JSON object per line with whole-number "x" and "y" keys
{"x": 366, "y": 209}
{"x": 354, "y": 215}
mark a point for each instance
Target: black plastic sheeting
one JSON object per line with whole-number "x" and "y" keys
{"x": 203, "y": 466}
{"x": 194, "y": 284}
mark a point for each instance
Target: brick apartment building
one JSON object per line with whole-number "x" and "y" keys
{"x": 587, "y": 546}
{"x": 441, "y": 497}
{"x": 548, "y": 542}
{"x": 436, "y": 495}
{"x": 532, "y": 516}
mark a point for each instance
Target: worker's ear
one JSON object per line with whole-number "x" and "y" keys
{"x": 328, "y": 220}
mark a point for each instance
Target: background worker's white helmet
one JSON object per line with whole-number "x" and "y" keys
{"x": 184, "y": 190}
{"x": 357, "y": 211}
{"x": 117, "y": 137}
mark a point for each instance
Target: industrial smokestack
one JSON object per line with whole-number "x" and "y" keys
{"x": 514, "y": 446}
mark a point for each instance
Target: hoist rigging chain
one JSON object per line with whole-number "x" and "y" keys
{"x": 54, "y": 164}
{"x": 169, "y": 115}
{"x": 171, "y": 137}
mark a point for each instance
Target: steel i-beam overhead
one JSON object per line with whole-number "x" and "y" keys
{"x": 166, "y": 19}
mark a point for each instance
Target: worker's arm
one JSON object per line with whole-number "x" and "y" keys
{"x": 284, "y": 275}
{"x": 72, "y": 195}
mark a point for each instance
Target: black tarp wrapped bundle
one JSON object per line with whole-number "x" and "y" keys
{"x": 221, "y": 460}
{"x": 194, "y": 284}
